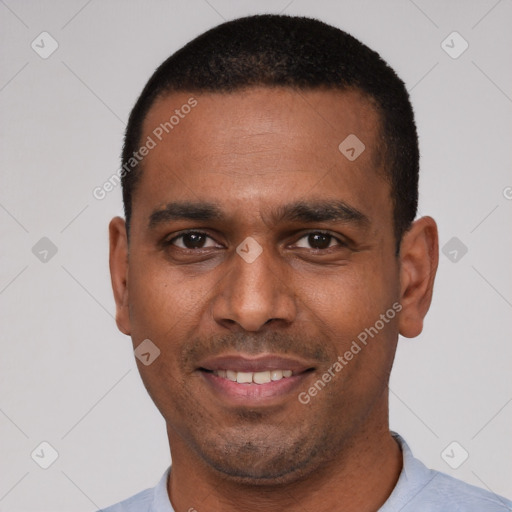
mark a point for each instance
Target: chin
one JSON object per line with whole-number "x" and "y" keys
{"x": 263, "y": 463}
{"x": 267, "y": 475}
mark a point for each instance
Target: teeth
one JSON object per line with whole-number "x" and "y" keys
{"x": 276, "y": 374}
{"x": 261, "y": 377}
{"x": 253, "y": 377}
{"x": 244, "y": 377}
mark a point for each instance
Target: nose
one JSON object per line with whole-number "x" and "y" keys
{"x": 254, "y": 294}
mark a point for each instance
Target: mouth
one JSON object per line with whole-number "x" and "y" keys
{"x": 254, "y": 381}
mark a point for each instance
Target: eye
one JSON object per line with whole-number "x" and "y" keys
{"x": 192, "y": 240}
{"x": 318, "y": 240}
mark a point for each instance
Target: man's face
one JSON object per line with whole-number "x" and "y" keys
{"x": 263, "y": 165}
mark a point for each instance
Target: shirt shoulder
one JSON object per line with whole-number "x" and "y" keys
{"x": 443, "y": 492}
{"x": 420, "y": 488}
{"x": 154, "y": 499}
{"x": 140, "y": 502}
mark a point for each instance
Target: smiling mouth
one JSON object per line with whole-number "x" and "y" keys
{"x": 252, "y": 381}
{"x": 253, "y": 388}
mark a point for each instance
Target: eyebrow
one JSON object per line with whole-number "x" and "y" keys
{"x": 300, "y": 211}
{"x": 319, "y": 211}
{"x": 185, "y": 210}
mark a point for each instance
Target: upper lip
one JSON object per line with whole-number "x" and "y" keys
{"x": 261, "y": 363}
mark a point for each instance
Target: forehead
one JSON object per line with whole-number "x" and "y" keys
{"x": 265, "y": 145}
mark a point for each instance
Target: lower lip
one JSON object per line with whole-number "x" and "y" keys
{"x": 253, "y": 393}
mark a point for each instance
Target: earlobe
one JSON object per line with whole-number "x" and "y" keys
{"x": 118, "y": 262}
{"x": 419, "y": 255}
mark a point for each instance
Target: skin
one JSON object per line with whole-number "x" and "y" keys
{"x": 249, "y": 153}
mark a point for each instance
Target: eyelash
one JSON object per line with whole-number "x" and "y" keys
{"x": 341, "y": 243}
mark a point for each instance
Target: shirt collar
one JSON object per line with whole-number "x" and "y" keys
{"x": 414, "y": 477}
{"x": 161, "y": 501}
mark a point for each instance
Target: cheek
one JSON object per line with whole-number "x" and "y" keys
{"x": 346, "y": 301}
{"x": 163, "y": 308}
{"x": 162, "y": 301}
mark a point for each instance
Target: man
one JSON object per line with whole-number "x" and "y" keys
{"x": 268, "y": 262}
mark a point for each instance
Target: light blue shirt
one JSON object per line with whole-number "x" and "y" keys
{"x": 418, "y": 489}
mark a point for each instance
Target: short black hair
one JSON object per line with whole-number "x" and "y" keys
{"x": 299, "y": 53}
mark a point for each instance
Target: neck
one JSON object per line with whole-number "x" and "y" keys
{"x": 358, "y": 478}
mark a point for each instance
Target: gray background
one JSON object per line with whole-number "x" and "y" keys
{"x": 68, "y": 376}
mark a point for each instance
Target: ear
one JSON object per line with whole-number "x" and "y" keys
{"x": 419, "y": 256}
{"x": 119, "y": 271}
